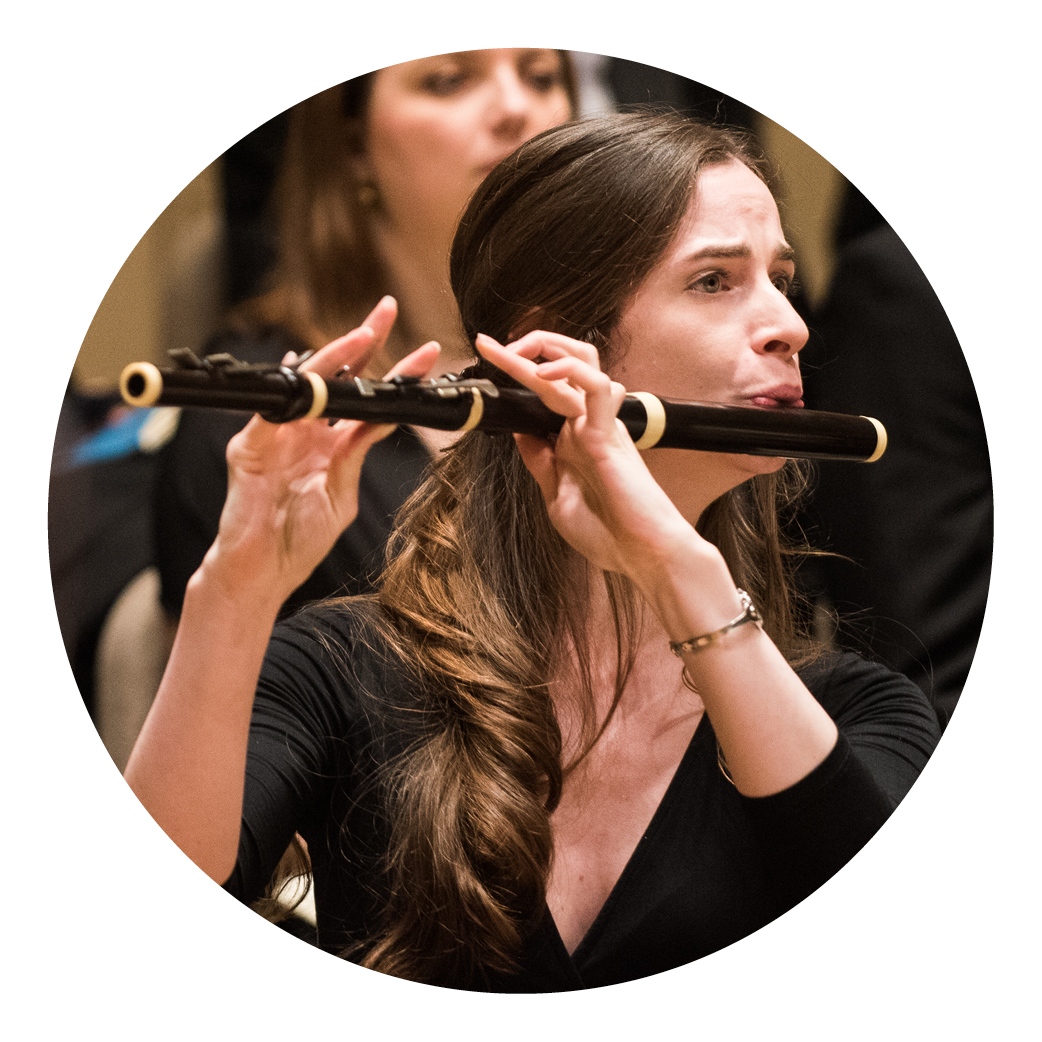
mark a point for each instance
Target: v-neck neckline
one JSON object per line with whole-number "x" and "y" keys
{"x": 637, "y": 856}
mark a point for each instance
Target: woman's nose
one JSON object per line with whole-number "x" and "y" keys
{"x": 512, "y": 102}
{"x": 782, "y": 331}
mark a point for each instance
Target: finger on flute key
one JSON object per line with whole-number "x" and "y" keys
{"x": 356, "y": 347}
{"x": 556, "y": 395}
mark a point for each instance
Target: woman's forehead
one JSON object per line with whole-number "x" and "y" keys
{"x": 728, "y": 200}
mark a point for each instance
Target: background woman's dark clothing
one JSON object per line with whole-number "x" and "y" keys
{"x": 193, "y": 483}
{"x": 99, "y": 519}
{"x": 713, "y": 866}
{"x": 914, "y": 530}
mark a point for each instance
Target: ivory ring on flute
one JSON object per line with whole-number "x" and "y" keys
{"x": 477, "y": 410}
{"x": 656, "y": 422}
{"x": 880, "y": 439}
{"x": 319, "y": 395}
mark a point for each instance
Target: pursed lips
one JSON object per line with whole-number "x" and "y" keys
{"x": 786, "y": 397}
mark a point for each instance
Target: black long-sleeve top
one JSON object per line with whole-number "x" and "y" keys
{"x": 712, "y": 867}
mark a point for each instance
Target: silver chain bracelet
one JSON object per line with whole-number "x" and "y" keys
{"x": 707, "y": 640}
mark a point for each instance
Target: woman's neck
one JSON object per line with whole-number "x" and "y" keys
{"x": 419, "y": 269}
{"x": 653, "y": 687}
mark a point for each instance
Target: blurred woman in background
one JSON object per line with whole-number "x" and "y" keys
{"x": 375, "y": 174}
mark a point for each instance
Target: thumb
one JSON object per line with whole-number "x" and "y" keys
{"x": 539, "y": 457}
{"x": 345, "y": 464}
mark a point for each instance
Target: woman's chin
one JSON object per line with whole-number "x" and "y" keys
{"x": 759, "y": 464}
{"x": 692, "y": 478}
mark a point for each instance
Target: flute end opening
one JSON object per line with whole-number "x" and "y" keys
{"x": 140, "y": 384}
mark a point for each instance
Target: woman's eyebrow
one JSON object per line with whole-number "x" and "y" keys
{"x": 739, "y": 251}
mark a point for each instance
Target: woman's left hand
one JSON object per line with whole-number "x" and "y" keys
{"x": 599, "y": 494}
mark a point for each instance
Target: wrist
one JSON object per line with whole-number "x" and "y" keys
{"x": 217, "y": 589}
{"x": 689, "y": 587}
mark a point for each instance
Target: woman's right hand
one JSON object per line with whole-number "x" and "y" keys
{"x": 293, "y": 487}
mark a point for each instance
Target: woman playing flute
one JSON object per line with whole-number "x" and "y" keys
{"x": 578, "y": 735}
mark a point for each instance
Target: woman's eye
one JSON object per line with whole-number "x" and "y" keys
{"x": 784, "y": 283}
{"x": 442, "y": 84}
{"x": 711, "y": 283}
{"x": 544, "y": 82}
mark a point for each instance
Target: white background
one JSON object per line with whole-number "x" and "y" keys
{"x": 110, "y": 109}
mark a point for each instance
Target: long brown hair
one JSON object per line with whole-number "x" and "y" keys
{"x": 328, "y": 274}
{"x": 482, "y": 598}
